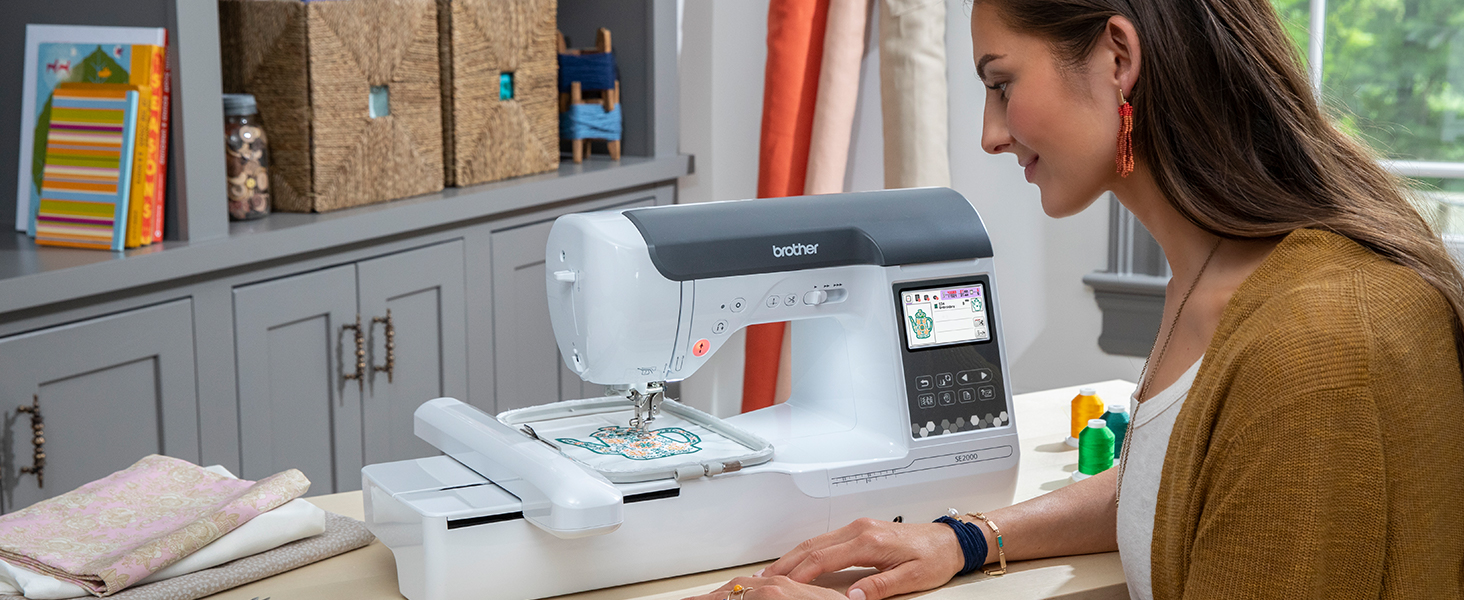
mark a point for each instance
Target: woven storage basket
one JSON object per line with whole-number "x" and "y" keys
{"x": 486, "y": 138}
{"x": 311, "y": 67}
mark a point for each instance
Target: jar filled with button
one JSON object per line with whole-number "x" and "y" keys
{"x": 246, "y": 158}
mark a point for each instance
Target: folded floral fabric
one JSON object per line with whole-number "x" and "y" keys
{"x": 113, "y": 532}
{"x": 295, "y": 520}
{"x": 342, "y": 534}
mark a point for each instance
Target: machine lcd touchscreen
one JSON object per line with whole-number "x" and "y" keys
{"x": 946, "y": 315}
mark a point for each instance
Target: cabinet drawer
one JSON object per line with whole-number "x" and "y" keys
{"x": 111, "y": 390}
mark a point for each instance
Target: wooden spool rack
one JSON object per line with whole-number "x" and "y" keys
{"x": 577, "y": 95}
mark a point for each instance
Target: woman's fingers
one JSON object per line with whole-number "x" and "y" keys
{"x": 763, "y": 588}
{"x": 853, "y": 553}
{"x": 906, "y": 578}
{"x": 722, "y": 592}
{"x": 795, "y": 557}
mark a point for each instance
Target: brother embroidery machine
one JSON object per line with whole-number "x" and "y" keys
{"x": 900, "y": 405}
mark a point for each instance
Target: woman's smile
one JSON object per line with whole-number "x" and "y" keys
{"x": 1030, "y": 168}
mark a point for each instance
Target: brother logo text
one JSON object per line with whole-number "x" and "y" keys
{"x": 795, "y": 250}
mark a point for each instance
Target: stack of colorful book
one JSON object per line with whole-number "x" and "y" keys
{"x": 99, "y": 153}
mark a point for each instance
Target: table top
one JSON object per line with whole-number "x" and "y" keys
{"x": 1047, "y": 462}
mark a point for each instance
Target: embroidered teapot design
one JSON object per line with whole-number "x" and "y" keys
{"x": 639, "y": 445}
{"x": 922, "y": 324}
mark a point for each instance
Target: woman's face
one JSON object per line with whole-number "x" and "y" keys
{"x": 1061, "y": 124}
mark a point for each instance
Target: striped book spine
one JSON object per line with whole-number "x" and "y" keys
{"x": 86, "y": 181}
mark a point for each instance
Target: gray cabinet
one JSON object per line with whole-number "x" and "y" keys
{"x": 422, "y": 292}
{"x": 111, "y": 390}
{"x": 295, "y": 408}
{"x": 526, "y": 358}
{"x": 301, "y": 402}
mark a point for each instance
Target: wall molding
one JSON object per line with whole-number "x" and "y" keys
{"x": 1130, "y": 292}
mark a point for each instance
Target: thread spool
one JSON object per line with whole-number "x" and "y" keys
{"x": 1095, "y": 450}
{"x": 1086, "y": 407}
{"x": 590, "y": 121}
{"x": 589, "y": 79}
{"x": 595, "y": 71}
{"x": 1117, "y": 418}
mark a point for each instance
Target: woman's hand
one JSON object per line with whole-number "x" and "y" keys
{"x": 910, "y": 557}
{"x": 769, "y": 588}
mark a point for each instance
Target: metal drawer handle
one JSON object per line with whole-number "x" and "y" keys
{"x": 390, "y": 365}
{"x": 38, "y": 439}
{"x": 360, "y": 374}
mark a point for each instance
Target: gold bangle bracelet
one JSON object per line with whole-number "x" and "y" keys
{"x": 1000, "y": 550}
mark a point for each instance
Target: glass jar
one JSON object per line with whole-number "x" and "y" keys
{"x": 246, "y": 158}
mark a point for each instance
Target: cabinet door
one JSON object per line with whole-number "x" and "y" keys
{"x": 525, "y": 356}
{"x": 111, "y": 391}
{"x": 528, "y": 368}
{"x": 295, "y": 408}
{"x": 423, "y": 291}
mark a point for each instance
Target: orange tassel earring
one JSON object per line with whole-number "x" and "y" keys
{"x": 1125, "y": 156}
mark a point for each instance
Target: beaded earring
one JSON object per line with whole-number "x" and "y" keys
{"x": 1125, "y": 156}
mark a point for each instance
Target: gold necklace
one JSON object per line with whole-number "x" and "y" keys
{"x": 1147, "y": 376}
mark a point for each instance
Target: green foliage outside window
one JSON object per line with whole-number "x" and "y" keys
{"x": 1393, "y": 74}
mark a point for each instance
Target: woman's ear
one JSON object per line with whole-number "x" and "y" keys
{"x": 1120, "y": 44}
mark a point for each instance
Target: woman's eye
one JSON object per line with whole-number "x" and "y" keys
{"x": 1000, "y": 87}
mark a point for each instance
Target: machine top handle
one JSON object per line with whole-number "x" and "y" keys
{"x": 886, "y": 228}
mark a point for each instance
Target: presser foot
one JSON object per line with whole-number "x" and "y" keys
{"x": 647, "y": 406}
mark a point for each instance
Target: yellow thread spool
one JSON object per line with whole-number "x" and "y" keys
{"x": 1086, "y": 407}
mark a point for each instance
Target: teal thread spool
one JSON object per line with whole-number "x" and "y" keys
{"x": 1095, "y": 450}
{"x": 1117, "y": 418}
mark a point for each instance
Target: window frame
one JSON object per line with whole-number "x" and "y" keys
{"x": 1130, "y": 292}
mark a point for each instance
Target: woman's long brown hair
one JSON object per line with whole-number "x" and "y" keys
{"x": 1226, "y": 120}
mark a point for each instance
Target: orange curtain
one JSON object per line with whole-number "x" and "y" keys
{"x": 790, "y": 90}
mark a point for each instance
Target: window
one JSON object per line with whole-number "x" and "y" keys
{"x": 1392, "y": 73}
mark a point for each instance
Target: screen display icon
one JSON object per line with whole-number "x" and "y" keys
{"x": 944, "y": 316}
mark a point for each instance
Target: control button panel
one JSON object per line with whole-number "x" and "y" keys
{"x": 956, "y": 387}
{"x": 738, "y": 304}
{"x": 973, "y": 376}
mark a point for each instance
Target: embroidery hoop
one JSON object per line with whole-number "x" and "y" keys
{"x": 691, "y": 465}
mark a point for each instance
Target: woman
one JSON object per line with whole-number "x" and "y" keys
{"x": 1299, "y": 430}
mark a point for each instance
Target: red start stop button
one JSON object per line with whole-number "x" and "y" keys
{"x": 700, "y": 348}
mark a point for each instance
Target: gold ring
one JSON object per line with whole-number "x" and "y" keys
{"x": 739, "y": 590}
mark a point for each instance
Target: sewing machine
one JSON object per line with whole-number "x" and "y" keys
{"x": 900, "y": 403}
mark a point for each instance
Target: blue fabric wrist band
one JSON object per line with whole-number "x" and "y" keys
{"x": 973, "y": 543}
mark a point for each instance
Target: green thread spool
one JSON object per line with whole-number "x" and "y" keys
{"x": 1117, "y": 418}
{"x": 1095, "y": 448}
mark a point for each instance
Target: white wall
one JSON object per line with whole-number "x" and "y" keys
{"x": 1049, "y": 317}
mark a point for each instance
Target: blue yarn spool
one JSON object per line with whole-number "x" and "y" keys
{"x": 594, "y": 71}
{"x": 590, "y": 121}
{"x": 1117, "y": 418}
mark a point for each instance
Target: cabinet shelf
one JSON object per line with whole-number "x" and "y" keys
{"x": 32, "y": 276}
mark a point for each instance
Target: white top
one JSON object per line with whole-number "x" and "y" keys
{"x": 1148, "y": 434}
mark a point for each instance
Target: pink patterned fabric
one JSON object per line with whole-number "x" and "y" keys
{"x": 111, "y": 533}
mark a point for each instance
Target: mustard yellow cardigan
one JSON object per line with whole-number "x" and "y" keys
{"x": 1320, "y": 452}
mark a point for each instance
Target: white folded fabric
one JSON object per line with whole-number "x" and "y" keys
{"x": 296, "y": 519}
